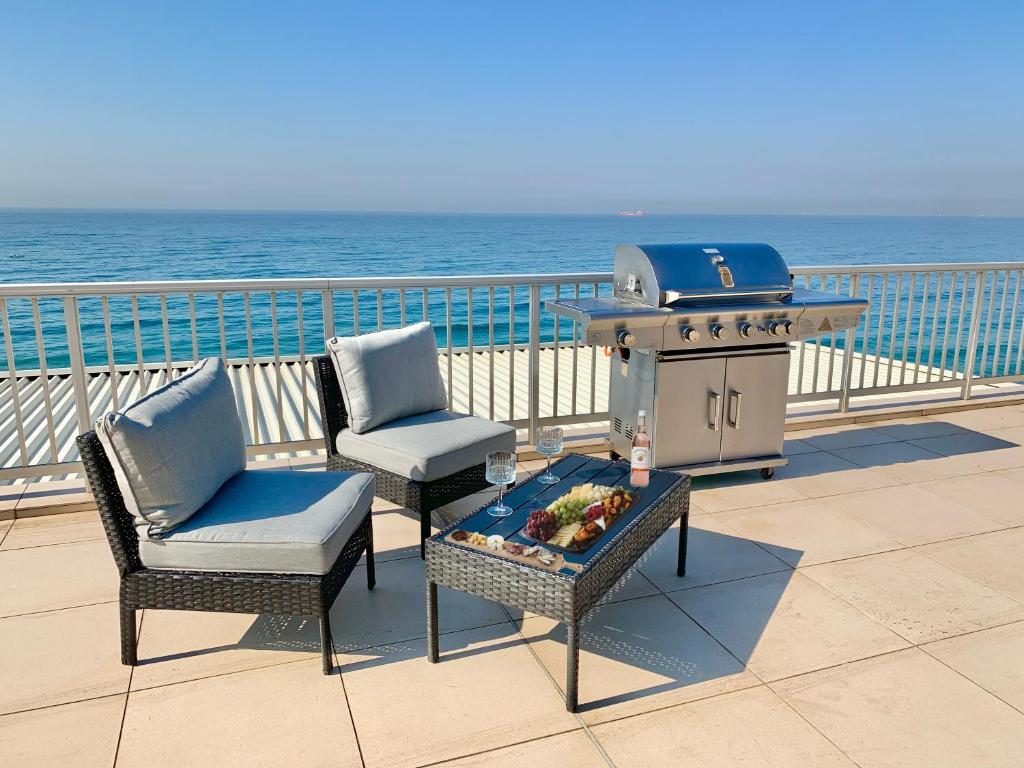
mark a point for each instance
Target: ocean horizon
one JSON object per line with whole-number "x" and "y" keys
{"x": 68, "y": 245}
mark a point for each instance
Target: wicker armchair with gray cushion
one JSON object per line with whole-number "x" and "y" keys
{"x": 383, "y": 406}
{"x": 191, "y": 529}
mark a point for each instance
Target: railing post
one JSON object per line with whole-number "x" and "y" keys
{"x": 972, "y": 336}
{"x": 849, "y": 339}
{"x": 77, "y": 358}
{"x": 328, "y": 302}
{"x": 534, "y": 363}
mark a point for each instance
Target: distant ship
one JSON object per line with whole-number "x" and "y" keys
{"x": 637, "y": 212}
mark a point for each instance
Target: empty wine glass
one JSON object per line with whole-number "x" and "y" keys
{"x": 549, "y": 443}
{"x": 500, "y": 470}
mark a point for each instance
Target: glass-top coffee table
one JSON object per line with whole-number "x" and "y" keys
{"x": 566, "y": 585}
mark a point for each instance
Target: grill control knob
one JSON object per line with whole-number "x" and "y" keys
{"x": 626, "y": 339}
{"x": 687, "y": 333}
{"x": 782, "y": 328}
{"x": 719, "y": 333}
{"x": 746, "y": 329}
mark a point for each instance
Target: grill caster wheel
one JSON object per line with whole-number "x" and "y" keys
{"x": 767, "y": 473}
{"x": 614, "y": 456}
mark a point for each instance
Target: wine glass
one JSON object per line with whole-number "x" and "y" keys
{"x": 549, "y": 443}
{"x": 500, "y": 470}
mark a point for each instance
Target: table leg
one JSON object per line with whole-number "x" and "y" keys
{"x": 432, "y": 622}
{"x": 572, "y": 665}
{"x": 684, "y": 531}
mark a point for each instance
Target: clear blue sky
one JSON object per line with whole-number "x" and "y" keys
{"x": 788, "y": 107}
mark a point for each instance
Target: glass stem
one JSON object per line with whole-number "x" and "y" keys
{"x": 501, "y": 496}
{"x": 549, "y": 465}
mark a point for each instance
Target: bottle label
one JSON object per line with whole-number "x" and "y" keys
{"x": 640, "y": 458}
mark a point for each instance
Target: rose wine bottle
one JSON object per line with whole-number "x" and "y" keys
{"x": 640, "y": 458}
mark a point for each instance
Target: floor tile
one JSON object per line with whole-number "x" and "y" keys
{"x": 396, "y": 610}
{"x": 9, "y": 496}
{"x": 54, "y": 529}
{"x": 991, "y": 658}
{"x": 396, "y": 532}
{"x": 290, "y": 714}
{"x": 784, "y": 624}
{"x": 61, "y": 495}
{"x": 906, "y": 463}
{"x": 60, "y": 576}
{"x": 915, "y": 596}
{"x": 794, "y": 445}
{"x": 806, "y": 532}
{"x": 825, "y": 474}
{"x": 843, "y": 436}
{"x": 5, "y": 527}
{"x": 715, "y": 553}
{"x": 917, "y": 427}
{"x": 738, "y": 730}
{"x": 995, "y": 495}
{"x": 718, "y": 493}
{"x": 566, "y": 750}
{"x": 911, "y": 515}
{"x": 986, "y": 419}
{"x": 637, "y": 656}
{"x": 486, "y": 692}
{"x": 907, "y": 709}
{"x": 81, "y": 735}
{"x": 999, "y": 450}
{"x": 994, "y": 559}
{"x": 60, "y": 657}
{"x": 175, "y": 646}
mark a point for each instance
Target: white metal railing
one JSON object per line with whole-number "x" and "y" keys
{"x": 71, "y": 351}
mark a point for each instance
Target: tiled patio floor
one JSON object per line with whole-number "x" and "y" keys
{"x": 865, "y": 608}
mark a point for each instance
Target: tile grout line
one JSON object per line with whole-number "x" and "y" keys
{"x": 491, "y": 750}
{"x": 57, "y": 610}
{"x": 128, "y": 693}
{"x": 348, "y": 708}
{"x": 586, "y": 729}
{"x": 968, "y": 679}
{"x": 811, "y": 725}
{"x": 967, "y": 575}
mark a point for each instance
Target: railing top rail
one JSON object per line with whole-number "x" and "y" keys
{"x": 863, "y": 269}
{"x": 292, "y": 284}
{"x": 430, "y": 281}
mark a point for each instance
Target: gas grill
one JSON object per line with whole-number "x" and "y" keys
{"x": 700, "y": 337}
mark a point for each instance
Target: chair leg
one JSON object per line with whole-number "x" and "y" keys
{"x": 327, "y": 643}
{"x": 371, "y": 577}
{"x": 129, "y": 654}
{"x": 424, "y": 533}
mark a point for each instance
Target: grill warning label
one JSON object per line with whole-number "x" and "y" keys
{"x": 825, "y": 326}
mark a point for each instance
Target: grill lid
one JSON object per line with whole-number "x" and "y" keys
{"x": 692, "y": 273}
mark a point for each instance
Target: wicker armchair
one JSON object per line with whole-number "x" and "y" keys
{"x": 274, "y": 593}
{"x": 423, "y": 497}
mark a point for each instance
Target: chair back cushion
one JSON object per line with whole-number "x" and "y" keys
{"x": 388, "y": 375}
{"x": 172, "y": 450}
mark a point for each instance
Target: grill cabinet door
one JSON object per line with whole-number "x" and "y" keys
{"x": 688, "y": 411}
{"x": 754, "y": 410}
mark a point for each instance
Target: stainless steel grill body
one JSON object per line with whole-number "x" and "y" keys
{"x": 701, "y": 336}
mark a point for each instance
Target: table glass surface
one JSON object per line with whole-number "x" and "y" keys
{"x": 573, "y": 469}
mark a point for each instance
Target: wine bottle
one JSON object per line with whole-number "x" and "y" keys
{"x": 640, "y": 457}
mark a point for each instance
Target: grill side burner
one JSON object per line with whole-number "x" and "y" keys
{"x": 700, "y": 333}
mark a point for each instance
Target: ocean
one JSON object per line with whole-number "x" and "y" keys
{"x": 59, "y": 246}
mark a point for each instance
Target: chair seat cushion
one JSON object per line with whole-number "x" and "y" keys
{"x": 267, "y": 521}
{"x": 428, "y": 446}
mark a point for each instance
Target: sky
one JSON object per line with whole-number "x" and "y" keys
{"x": 730, "y": 107}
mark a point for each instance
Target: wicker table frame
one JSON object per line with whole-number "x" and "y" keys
{"x": 554, "y": 595}
{"x": 422, "y": 497}
{"x": 272, "y": 593}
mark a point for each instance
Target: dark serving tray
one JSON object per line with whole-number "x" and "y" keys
{"x": 580, "y": 549}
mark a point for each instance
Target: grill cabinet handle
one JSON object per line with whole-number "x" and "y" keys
{"x": 714, "y": 401}
{"x": 735, "y": 399}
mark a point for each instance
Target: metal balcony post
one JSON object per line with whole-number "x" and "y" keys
{"x": 849, "y": 339}
{"x": 77, "y": 358}
{"x": 534, "y": 363}
{"x": 972, "y": 335}
{"x": 328, "y": 302}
